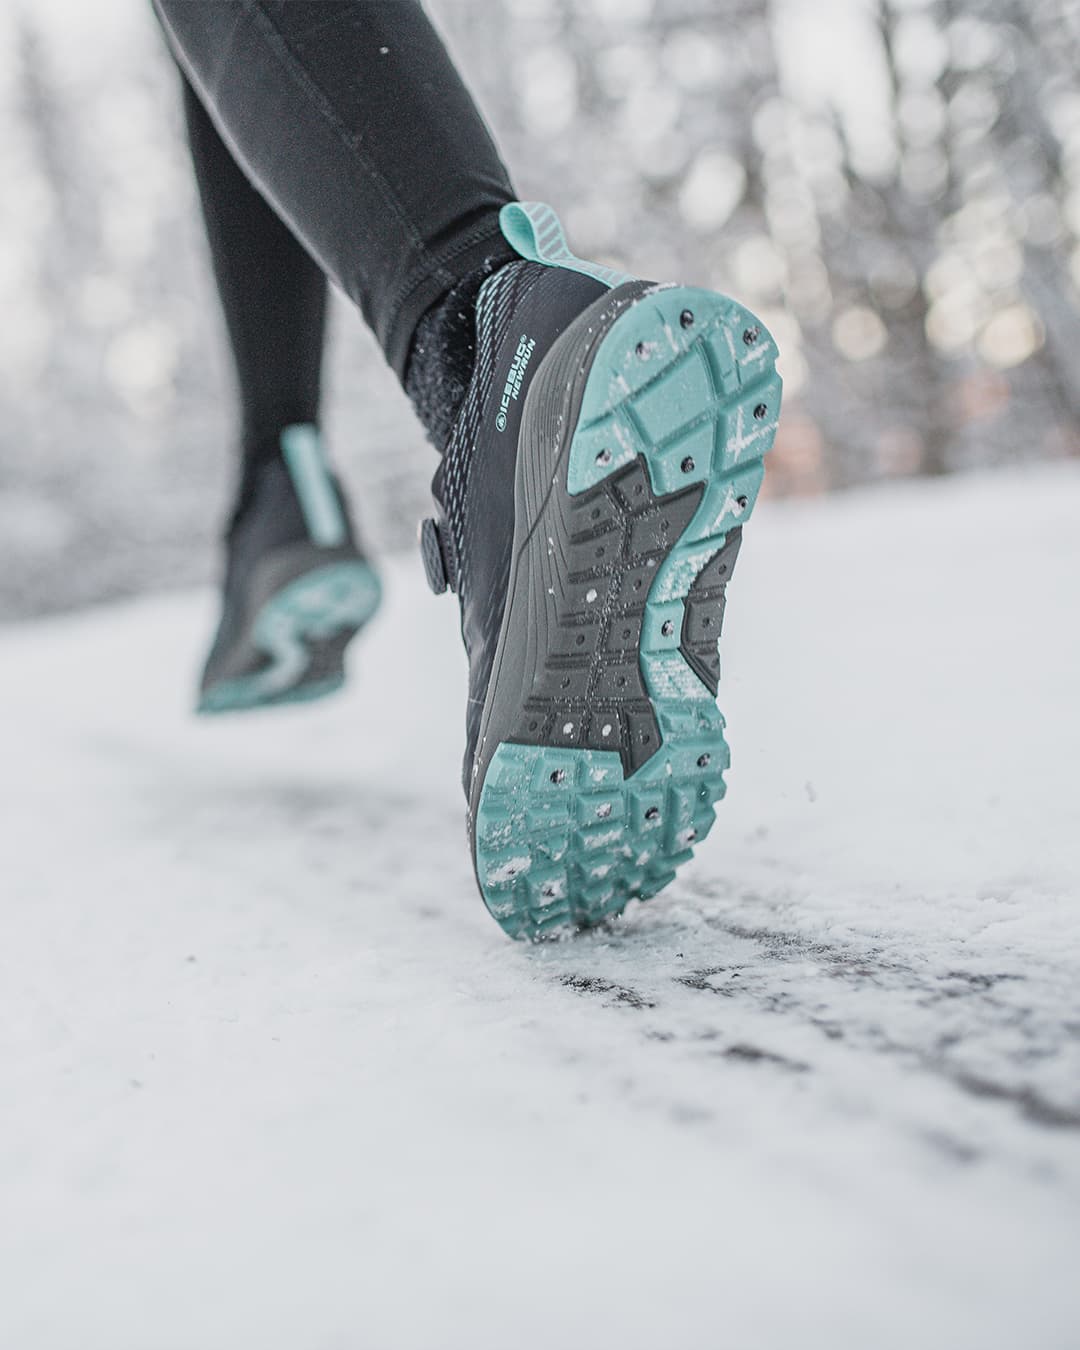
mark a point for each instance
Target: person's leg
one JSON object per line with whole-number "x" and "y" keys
{"x": 350, "y": 118}
{"x": 297, "y": 587}
{"x": 273, "y": 297}
{"x": 603, "y": 449}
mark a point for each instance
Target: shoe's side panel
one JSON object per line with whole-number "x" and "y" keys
{"x": 522, "y": 311}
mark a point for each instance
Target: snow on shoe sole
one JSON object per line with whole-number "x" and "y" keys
{"x": 601, "y": 749}
{"x": 297, "y": 639}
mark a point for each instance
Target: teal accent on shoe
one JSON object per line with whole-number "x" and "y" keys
{"x": 563, "y": 841}
{"x": 666, "y": 390}
{"x": 305, "y": 458}
{"x": 686, "y": 380}
{"x": 533, "y": 230}
{"x": 328, "y": 603}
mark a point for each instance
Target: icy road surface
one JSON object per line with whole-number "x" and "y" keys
{"x": 272, "y": 1079}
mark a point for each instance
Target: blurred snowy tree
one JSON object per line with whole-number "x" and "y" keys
{"x": 938, "y": 313}
{"x": 926, "y": 296}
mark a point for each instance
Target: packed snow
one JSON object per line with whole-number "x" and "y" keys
{"x": 272, "y": 1077}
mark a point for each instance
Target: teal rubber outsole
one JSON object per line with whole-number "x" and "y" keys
{"x": 301, "y": 633}
{"x": 563, "y": 839}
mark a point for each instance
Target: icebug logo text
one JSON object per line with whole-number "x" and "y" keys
{"x": 512, "y": 388}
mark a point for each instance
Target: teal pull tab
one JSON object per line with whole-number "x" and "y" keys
{"x": 305, "y": 459}
{"x": 534, "y": 230}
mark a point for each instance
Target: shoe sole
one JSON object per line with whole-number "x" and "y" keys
{"x": 298, "y": 638}
{"x": 601, "y": 748}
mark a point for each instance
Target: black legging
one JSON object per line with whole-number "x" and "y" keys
{"x": 352, "y": 122}
{"x": 272, "y": 293}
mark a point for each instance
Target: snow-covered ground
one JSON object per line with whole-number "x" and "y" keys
{"x": 271, "y": 1077}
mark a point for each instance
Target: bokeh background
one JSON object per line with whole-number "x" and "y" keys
{"x": 894, "y": 187}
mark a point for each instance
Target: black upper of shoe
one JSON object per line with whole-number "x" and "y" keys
{"x": 268, "y": 523}
{"x": 521, "y": 311}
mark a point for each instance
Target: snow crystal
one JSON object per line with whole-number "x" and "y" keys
{"x": 507, "y": 871}
{"x": 680, "y": 571}
{"x": 602, "y": 838}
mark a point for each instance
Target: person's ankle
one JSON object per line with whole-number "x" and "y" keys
{"x": 443, "y": 353}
